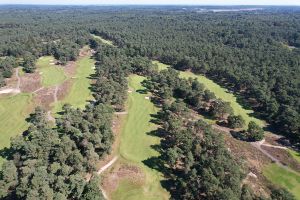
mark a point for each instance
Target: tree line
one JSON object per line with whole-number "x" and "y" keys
{"x": 167, "y": 84}
{"x": 194, "y": 159}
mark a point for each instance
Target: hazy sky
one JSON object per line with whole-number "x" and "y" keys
{"x": 186, "y": 2}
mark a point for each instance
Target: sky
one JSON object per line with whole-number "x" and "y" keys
{"x": 156, "y": 2}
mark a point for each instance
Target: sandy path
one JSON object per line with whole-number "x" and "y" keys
{"x": 121, "y": 113}
{"x": 258, "y": 145}
{"x": 38, "y": 90}
{"x": 19, "y": 80}
{"x": 55, "y": 94}
{"x": 15, "y": 90}
{"x": 105, "y": 167}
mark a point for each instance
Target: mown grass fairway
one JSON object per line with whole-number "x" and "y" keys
{"x": 80, "y": 91}
{"x": 51, "y": 74}
{"x": 135, "y": 146}
{"x": 220, "y": 92}
{"x": 284, "y": 178}
{"x": 104, "y": 41}
{"x": 13, "y": 112}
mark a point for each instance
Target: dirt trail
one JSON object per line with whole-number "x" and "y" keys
{"x": 55, "y": 94}
{"x": 15, "y": 90}
{"x": 105, "y": 167}
{"x": 258, "y": 145}
{"x": 38, "y": 90}
{"x": 19, "y": 80}
{"x": 121, "y": 113}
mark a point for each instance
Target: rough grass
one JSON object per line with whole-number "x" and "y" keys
{"x": 80, "y": 91}
{"x": 108, "y": 42}
{"x": 13, "y": 112}
{"x": 135, "y": 146}
{"x": 284, "y": 178}
{"x": 220, "y": 92}
{"x": 294, "y": 154}
{"x": 51, "y": 74}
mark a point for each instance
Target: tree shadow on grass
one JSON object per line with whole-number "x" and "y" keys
{"x": 6, "y": 153}
{"x": 142, "y": 91}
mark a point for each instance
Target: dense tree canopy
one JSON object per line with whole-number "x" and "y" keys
{"x": 255, "y": 54}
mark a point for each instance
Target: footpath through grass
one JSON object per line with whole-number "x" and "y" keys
{"x": 284, "y": 178}
{"x": 51, "y": 74}
{"x": 80, "y": 91}
{"x": 135, "y": 146}
{"x": 220, "y": 92}
{"x": 13, "y": 112}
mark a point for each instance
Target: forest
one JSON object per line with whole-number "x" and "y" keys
{"x": 255, "y": 55}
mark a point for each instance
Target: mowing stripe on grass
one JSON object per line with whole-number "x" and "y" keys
{"x": 136, "y": 146}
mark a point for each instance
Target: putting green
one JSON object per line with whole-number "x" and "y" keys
{"x": 80, "y": 91}
{"x": 13, "y": 112}
{"x": 220, "y": 92}
{"x": 284, "y": 178}
{"x": 51, "y": 74}
{"x": 135, "y": 146}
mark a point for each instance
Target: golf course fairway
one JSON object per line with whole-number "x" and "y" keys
{"x": 135, "y": 146}
{"x": 220, "y": 92}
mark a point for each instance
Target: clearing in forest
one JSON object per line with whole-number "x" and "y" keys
{"x": 14, "y": 109}
{"x": 51, "y": 74}
{"x": 136, "y": 146}
{"x": 220, "y": 92}
{"x": 104, "y": 41}
{"x": 80, "y": 91}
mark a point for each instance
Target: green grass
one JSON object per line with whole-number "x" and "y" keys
{"x": 80, "y": 91}
{"x": 294, "y": 154}
{"x": 51, "y": 74}
{"x": 104, "y": 41}
{"x": 13, "y": 112}
{"x": 135, "y": 146}
{"x": 284, "y": 178}
{"x": 220, "y": 92}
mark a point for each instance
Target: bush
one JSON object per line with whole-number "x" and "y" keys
{"x": 236, "y": 121}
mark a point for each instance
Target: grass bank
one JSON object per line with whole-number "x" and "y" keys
{"x": 136, "y": 146}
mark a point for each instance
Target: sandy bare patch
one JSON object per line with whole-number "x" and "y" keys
{"x": 30, "y": 82}
{"x": 64, "y": 89}
{"x": 9, "y": 90}
{"x": 70, "y": 69}
{"x": 44, "y": 97}
{"x": 283, "y": 156}
{"x": 128, "y": 172}
{"x": 254, "y": 163}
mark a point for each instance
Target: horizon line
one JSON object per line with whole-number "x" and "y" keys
{"x": 132, "y": 4}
